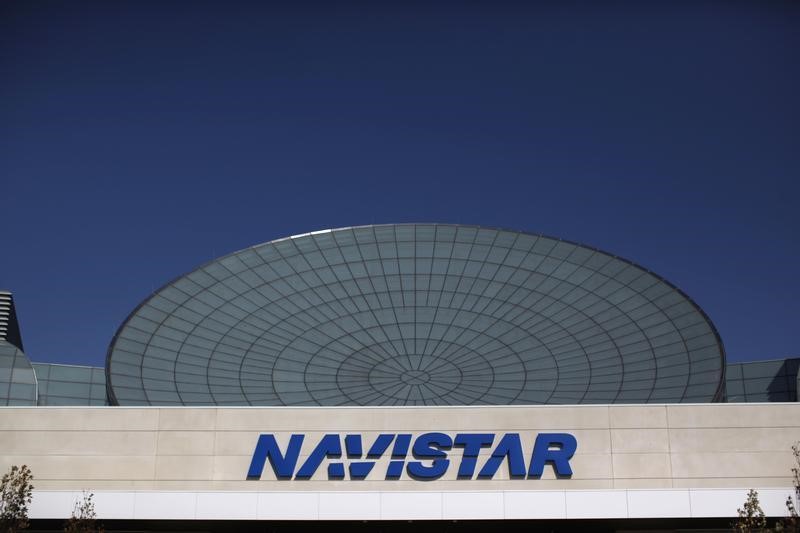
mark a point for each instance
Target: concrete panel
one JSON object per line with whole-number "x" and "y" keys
{"x": 734, "y": 464}
{"x": 243, "y": 442}
{"x": 277, "y": 419}
{"x": 594, "y": 441}
{"x": 417, "y": 420}
{"x": 731, "y": 482}
{"x": 184, "y": 467}
{"x": 234, "y": 468}
{"x": 114, "y": 505}
{"x": 596, "y": 504}
{"x": 535, "y": 505}
{"x": 214, "y": 505}
{"x": 639, "y": 440}
{"x": 642, "y": 465}
{"x": 83, "y": 468}
{"x": 165, "y": 505}
{"x": 734, "y": 415}
{"x": 773, "y": 501}
{"x": 386, "y": 486}
{"x": 187, "y": 418}
{"x": 53, "y": 504}
{"x": 232, "y": 505}
{"x": 514, "y": 418}
{"x": 643, "y": 483}
{"x": 89, "y": 419}
{"x": 586, "y": 466}
{"x": 411, "y": 506}
{"x": 778, "y": 439}
{"x": 637, "y": 416}
{"x": 725, "y": 502}
{"x": 120, "y": 448}
{"x": 711, "y": 503}
{"x": 349, "y": 506}
{"x": 38, "y": 442}
{"x": 288, "y": 506}
{"x": 95, "y": 484}
{"x": 471, "y": 505}
{"x": 658, "y": 503}
{"x": 186, "y": 442}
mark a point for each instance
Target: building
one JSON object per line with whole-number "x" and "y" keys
{"x": 423, "y": 372}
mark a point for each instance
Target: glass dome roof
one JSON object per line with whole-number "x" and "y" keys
{"x": 416, "y": 314}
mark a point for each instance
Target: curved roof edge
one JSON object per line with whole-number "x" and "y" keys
{"x": 719, "y": 395}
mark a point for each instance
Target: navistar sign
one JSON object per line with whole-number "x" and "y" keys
{"x": 430, "y": 451}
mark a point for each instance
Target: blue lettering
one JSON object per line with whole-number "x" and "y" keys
{"x": 395, "y": 469}
{"x": 399, "y": 451}
{"x": 472, "y": 443}
{"x": 543, "y": 452}
{"x": 352, "y": 443}
{"x": 427, "y": 446}
{"x": 511, "y": 447}
{"x": 282, "y": 465}
{"x": 380, "y": 445}
{"x": 361, "y": 469}
{"x": 401, "y": 445}
{"x": 329, "y": 446}
{"x": 429, "y": 450}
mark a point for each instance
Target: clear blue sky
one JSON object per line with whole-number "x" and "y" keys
{"x": 141, "y": 139}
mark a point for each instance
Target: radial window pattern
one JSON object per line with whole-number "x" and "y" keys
{"x": 423, "y": 314}
{"x": 17, "y": 379}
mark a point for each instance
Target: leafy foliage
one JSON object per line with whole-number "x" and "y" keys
{"x": 792, "y": 522}
{"x": 752, "y": 519}
{"x": 16, "y": 493}
{"x": 84, "y": 517}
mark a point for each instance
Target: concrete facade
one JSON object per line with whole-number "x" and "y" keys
{"x": 684, "y": 451}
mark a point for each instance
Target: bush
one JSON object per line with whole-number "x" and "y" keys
{"x": 751, "y": 517}
{"x": 84, "y": 518}
{"x": 16, "y": 493}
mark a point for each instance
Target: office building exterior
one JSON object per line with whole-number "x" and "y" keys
{"x": 424, "y": 372}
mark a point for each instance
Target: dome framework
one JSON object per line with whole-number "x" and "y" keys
{"x": 416, "y": 314}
